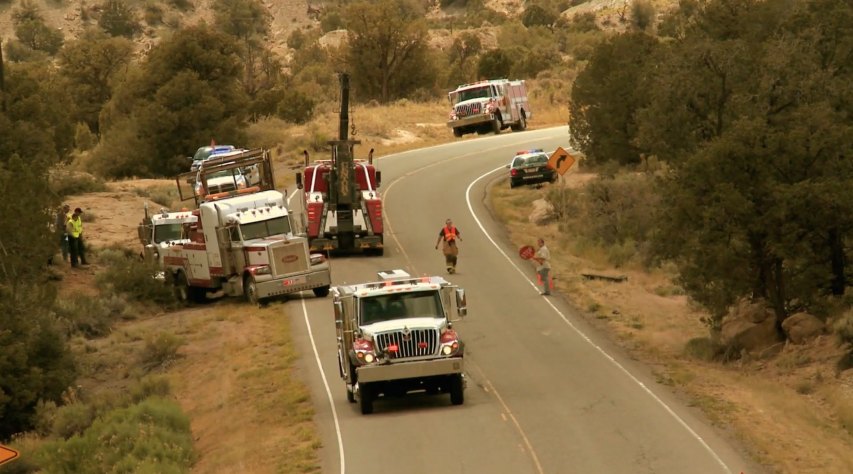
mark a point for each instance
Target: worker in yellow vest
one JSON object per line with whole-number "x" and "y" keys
{"x": 74, "y": 228}
{"x": 449, "y": 234}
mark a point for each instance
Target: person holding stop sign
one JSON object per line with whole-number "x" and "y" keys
{"x": 543, "y": 269}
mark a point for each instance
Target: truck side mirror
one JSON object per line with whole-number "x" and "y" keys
{"x": 461, "y": 303}
{"x": 378, "y": 178}
{"x": 144, "y": 232}
{"x": 299, "y": 180}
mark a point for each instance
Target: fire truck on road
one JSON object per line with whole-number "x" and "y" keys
{"x": 489, "y": 106}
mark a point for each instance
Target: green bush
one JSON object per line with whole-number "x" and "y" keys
{"x": 130, "y": 277}
{"x": 152, "y": 436}
{"x": 119, "y": 19}
{"x": 85, "y": 315}
{"x": 72, "y": 420}
{"x": 84, "y": 139}
{"x": 65, "y": 182}
{"x": 702, "y": 348}
{"x": 151, "y": 386}
{"x": 159, "y": 350}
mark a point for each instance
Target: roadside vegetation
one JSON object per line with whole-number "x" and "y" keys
{"x": 715, "y": 171}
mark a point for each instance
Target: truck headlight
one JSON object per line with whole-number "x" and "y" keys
{"x": 369, "y": 358}
{"x": 263, "y": 270}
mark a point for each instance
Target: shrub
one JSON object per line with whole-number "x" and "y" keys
{"x": 72, "y": 419}
{"x": 119, "y": 19}
{"x": 84, "y": 139}
{"x": 642, "y": 14}
{"x": 85, "y": 315}
{"x": 843, "y": 326}
{"x": 159, "y": 350}
{"x": 150, "y": 386}
{"x": 702, "y": 348}
{"x": 65, "y": 182}
{"x": 130, "y": 277}
{"x": 152, "y": 436}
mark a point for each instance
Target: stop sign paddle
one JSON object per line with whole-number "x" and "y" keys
{"x": 526, "y": 252}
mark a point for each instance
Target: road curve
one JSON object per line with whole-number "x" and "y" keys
{"x": 545, "y": 393}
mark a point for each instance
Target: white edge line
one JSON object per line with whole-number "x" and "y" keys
{"x": 325, "y": 380}
{"x": 584, "y": 336}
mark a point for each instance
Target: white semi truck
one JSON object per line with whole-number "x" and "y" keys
{"x": 243, "y": 241}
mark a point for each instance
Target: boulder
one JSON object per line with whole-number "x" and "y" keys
{"x": 542, "y": 212}
{"x": 802, "y": 327}
{"x": 738, "y": 331}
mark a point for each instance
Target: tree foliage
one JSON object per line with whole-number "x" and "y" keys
{"x": 186, "y": 92}
{"x": 90, "y": 65}
{"x": 388, "y": 55}
{"x": 606, "y": 97}
{"x": 119, "y": 19}
{"x": 750, "y": 109}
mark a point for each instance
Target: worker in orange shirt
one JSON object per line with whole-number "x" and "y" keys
{"x": 449, "y": 235}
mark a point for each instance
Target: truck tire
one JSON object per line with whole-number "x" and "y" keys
{"x": 350, "y": 393}
{"x": 250, "y": 290}
{"x": 457, "y": 132}
{"x": 365, "y": 399}
{"x": 321, "y": 292}
{"x": 521, "y": 125}
{"x": 457, "y": 390}
{"x": 496, "y": 126}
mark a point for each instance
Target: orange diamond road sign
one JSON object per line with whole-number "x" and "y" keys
{"x": 7, "y": 454}
{"x": 561, "y": 160}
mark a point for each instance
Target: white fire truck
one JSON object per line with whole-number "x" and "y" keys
{"x": 243, "y": 241}
{"x": 489, "y": 106}
{"x": 396, "y": 336}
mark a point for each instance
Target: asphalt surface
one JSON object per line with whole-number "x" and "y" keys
{"x": 545, "y": 393}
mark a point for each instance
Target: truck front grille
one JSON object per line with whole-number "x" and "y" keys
{"x": 289, "y": 257}
{"x": 466, "y": 110}
{"x": 409, "y": 343}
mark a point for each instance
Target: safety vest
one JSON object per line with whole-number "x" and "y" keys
{"x": 449, "y": 234}
{"x": 76, "y": 227}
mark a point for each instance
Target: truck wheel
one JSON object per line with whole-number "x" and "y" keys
{"x": 365, "y": 401}
{"x": 182, "y": 288}
{"x": 496, "y": 126}
{"x": 350, "y": 388}
{"x": 250, "y": 290}
{"x": 457, "y": 390}
{"x": 521, "y": 126}
{"x": 321, "y": 292}
{"x": 457, "y": 132}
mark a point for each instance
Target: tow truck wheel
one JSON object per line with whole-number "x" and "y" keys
{"x": 321, "y": 292}
{"x": 250, "y": 290}
{"x": 457, "y": 392}
{"x": 365, "y": 399}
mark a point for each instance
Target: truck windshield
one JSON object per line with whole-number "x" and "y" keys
{"x": 479, "y": 93}
{"x": 418, "y": 304}
{"x": 267, "y": 228}
{"x": 167, "y": 232}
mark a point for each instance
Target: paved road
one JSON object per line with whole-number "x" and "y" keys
{"x": 545, "y": 393}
